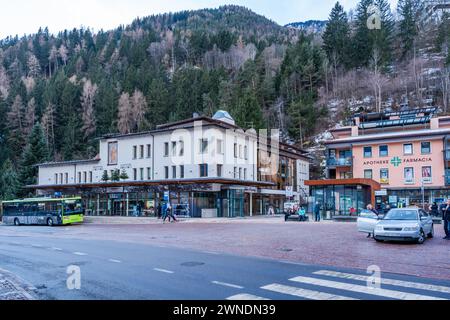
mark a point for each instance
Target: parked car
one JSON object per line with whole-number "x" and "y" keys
{"x": 182, "y": 210}
{"x": 405, "y": 224}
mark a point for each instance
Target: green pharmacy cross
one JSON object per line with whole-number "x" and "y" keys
{"x": 396, "y": 161}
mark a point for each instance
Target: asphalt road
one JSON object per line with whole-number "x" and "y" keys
{"x": 121, "y": 270}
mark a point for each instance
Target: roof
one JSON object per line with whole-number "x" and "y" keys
{"x": 401, "y": 134}
{"x": 42, "y": 200}
{"x": 50, "y": 164}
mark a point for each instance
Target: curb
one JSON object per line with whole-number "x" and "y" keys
{"x": 14, "y": 288}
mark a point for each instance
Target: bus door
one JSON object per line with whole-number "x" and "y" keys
{"x": 21, "y": 214}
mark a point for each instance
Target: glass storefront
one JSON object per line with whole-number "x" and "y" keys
{"x": 340, "y": 200}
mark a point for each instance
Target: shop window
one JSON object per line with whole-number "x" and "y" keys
{"x": 368, "y": 174}
{"x": 425, "y": 147}
{"x": 203, "y": 170}
{"x": 367, "y": 152}
{"x": 384, "y": 151}
{"x": 409, "y": 175}
{"x": 426, "y": 174}
{"x": 408, "y": 149}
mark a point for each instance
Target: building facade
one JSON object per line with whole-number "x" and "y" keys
{"x": 387, "y": 159}
{"x": 206, "y": 167}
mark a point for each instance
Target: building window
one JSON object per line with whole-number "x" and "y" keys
{"x": 84, "y": 176}
{"x": 384, "y": 151}
{"x": 149, "y": 173}
{"x": 203, "y": 146}
{"x": 149, "y": 151}
{"x": 219, "y": 146}
{"x": 409, "y": 175}
{"x": 368, "y": 174}
{"x": 384, "y": 176}
{"x": 79, "y": 177}
{"x": 166, "y": 149}
{"x": 182, "y": 172}
{"x": 134, "y": 174}
{"x": 367, "y": 152}
{"x": 90, "y": 176}
{"x": 426, "y": 174}
{"x": 240, "y": 151}
{"x": 141, "y": 173}
{"x": 166, "y": 172}
{"x": 425, "y": 147}
{"x": 346, "y": 175}
{"x": 240, "y": 173}
{"x": 408, "y": 149}
{"x": 219, "y": 170}
{"x": 181, "y": 144}
{"x": 235, "y": 150}
{"x": 246, "y": 152}
{"x": 203, "y": 170}
{"x": 67, "y": 178}
{"x": 56, "y": 178}
{"x": 134, "y": 152}
{"x": 235, "y": 172}
{"x": 245, "y": 173}
{"x": 174, "y": 148}
{"x": 174, "y": 172}
{"x": 61, "y": 178}
{"x": 141, "y": 151}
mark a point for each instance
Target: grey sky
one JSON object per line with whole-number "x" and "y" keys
{"x": 26, "y": 16}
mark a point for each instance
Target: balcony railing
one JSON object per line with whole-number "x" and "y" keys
{"x": 447, "y": 177}
{"x": 339, "y": 162}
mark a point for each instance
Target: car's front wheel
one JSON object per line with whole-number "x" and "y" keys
{"x": 421, "y": 238}
{"x": 431, "y": 234}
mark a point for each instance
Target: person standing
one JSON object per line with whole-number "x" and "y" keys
{"x": 434, "y": 209}
{"x": 446, "y": 220}
{"x": 317, "y": 211}
{"x": 372, "y": 209}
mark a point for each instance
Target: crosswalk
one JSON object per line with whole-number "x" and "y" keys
{"x": 333, "y": 285}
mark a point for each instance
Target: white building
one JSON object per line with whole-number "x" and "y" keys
{"x": 208, "y": 166}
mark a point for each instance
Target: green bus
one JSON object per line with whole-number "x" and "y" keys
{"x": 43, "y": 211}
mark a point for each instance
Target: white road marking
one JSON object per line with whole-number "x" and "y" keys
{"x": 400, "y": 283}
{"x": 245, "y": 296}
{"x": 364, "y": 289}
{"x": 227, "y": 284}
{"x": 163, "y": 270}
{"x": 80, "y": 253}
{"x": 114, "y": 260}
{"x": 304, "y": 293}
{"x": 36, "y": 246}
{"x": 56, "y": 249}
{"x": 211, "y": 252}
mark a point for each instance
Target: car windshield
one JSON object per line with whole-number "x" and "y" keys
{"x": 401, "y": 215}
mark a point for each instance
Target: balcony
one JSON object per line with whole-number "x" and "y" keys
{"x": 447, "y": 177}
{"x": 339, "y": 162}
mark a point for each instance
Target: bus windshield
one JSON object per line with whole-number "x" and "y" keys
{"x": 73, "y": 207}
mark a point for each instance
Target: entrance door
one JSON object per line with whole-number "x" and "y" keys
{"x": 118, "y": 208}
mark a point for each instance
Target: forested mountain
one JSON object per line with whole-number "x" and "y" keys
{"x": 310, "y": 26}
{"x": 59, "y": 92}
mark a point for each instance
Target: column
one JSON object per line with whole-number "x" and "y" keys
{"x": 251, "y": 204}
{"x": 127, "y": 203}
{"x": 98, "y": 204}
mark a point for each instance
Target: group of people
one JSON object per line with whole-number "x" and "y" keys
{"x": 296, "y": 210}
{"x": 166, "y": 212}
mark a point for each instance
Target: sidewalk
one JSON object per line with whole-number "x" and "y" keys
{"x": 14, "y": 288}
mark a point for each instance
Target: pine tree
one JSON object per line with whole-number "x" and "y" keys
{"x": 9, "y": 181}
{"x": 409, "y": 12}
{"x": 34, "y": 153}
{"x": 115, "y": 176}
{"x": 336, "y": 38}
{"x": 105, "y": 176}
{"x": 123, "y": 175}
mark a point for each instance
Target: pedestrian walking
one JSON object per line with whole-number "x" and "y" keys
{"x": 446, "y": 220}
{"x": 434, "y": 209}
{"x": 317, "y": 211}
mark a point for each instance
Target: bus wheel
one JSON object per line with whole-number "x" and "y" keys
{"x": 16, "y": 222}
{"x": 50, "y": 222}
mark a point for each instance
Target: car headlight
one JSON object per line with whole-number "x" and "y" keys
{"x": 379, "y": 228}
{"x": 413, "y": 228}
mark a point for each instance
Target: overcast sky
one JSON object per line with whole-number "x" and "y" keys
{"x": 26, "y": 16}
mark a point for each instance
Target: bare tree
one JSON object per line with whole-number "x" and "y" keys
{"x": 34, "y": 68}
{"x": 15, "y": 117}
{"x": 48, "y": 123}
{"x": 124, "y": 124}
{"x": 87, "y": 103}
{"x": 30, "y": 116}
{"x": 139, "y": 108}
{"x": 4, "y": 83}
{"x": 445, "y": 87}
{"x": 378, "y": 80}
{"x": 53, "y": 59}
{"x": 63, "y": 54}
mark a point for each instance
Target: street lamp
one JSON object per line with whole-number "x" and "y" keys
{"x": 423, "y": 194}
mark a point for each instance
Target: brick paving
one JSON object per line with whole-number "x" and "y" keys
{"x": 12, "y": 288}
{"x": 326, "y": 243}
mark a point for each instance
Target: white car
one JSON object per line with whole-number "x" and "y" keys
{"x": 405, "y": 224}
